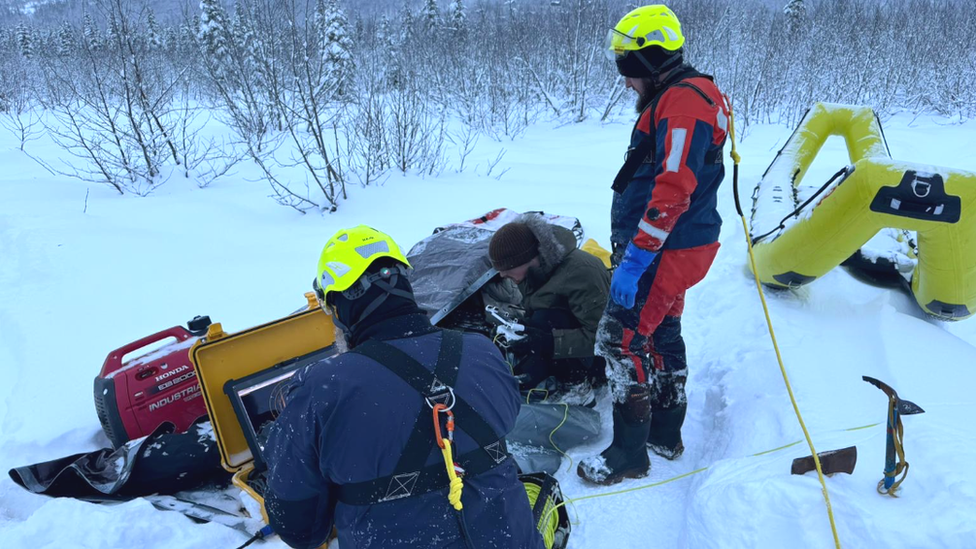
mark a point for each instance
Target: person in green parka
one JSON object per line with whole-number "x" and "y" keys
{"x": 563, "y": 293}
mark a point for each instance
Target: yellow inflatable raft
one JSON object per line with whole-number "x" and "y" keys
{"x": 796, "y": 241}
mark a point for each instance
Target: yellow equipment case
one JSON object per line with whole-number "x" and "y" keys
{"x": 223, "y": 360}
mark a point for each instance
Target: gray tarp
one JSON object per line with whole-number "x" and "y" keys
{"x": 530, "y": 444}
{"x": 448, "y": 267}
{"x": 452, "y": 264}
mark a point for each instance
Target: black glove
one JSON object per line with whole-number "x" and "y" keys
{"x": 537, "y": 341}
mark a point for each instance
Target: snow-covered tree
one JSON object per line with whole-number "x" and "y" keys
{"x": 431, "y": 15}
{"x": 457, "y": 18}
{"x": 25, "y": 40}
{"x": 335, "y": 44}
{"x": 184, "y": 42}
{"x": 93, "y": 37}
{"x": 407, "y": 21}
{"x": 213, "y": 30}
{"x": 388, "y": 38}
{"x": 113, "y": 33}
{"x": 796, "y": 14}
{"x": 386, "y": 33}
{"x": 154, "y": 34}
{"x": 66, "y": 42}
{"x": 249, "y": 46}
{"x": 241, "y": 29}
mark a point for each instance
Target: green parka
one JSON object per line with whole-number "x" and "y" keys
{"x": 569, "y": 279}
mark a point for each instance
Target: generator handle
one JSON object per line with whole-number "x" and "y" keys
{"x": 113, "y": 361}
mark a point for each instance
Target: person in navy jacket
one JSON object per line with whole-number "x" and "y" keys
{"x": 354, "y": 447}
{"x": 664, "y": 233}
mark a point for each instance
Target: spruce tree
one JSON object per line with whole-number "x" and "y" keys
{"x": 336, "y": 45}
{"x": 154, "y": 34}
{"x": 458, "y": 20}
{"x": 248, "y": 46}
{"x": 431, "y": 15}
{"x": 25, "y": 40}
{"x": 93, "y": 36}
{"x": 113, "y": 33}
{"x": 407, "y": 21}
{"x": 213, "y": 31}
{"x": 66, "y": 43}
{"x": 388, "y": 37}
{"x": 796, "y": 14}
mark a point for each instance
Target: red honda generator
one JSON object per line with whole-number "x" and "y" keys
{"x": 134, "y": 397}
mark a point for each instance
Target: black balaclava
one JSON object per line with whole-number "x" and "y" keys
{"x": 350, "y": 312}
{"x": 649, "y": 62}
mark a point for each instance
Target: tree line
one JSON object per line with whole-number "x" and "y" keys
{"x": 319, "y": 95}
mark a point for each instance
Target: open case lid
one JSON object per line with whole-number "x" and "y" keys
{"x": 220, "y": 358}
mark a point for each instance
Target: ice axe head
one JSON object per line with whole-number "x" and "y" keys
{"x": 904, "y": 407}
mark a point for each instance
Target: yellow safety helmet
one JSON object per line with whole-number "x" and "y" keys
{"x": 347, "y": 255}
{"x": 645, "y": 27}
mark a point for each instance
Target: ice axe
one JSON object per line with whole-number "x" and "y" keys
{"x": 897, "y": 407}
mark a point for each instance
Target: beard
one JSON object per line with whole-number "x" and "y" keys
{"x": 644, "y": 99}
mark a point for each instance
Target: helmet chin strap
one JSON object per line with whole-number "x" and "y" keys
{"x": 389, "y": 288}
{"x": 673, "y": 61}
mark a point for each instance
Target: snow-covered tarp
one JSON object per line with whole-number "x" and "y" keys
{"x": 451, "y": 264}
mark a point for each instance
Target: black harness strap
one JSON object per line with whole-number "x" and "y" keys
{"x": 421, "y": 439}
{"x": 411, "y": 477}
{"x": 647, "y": 147}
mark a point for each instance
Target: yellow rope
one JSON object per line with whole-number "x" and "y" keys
{"x": 561, "y": 423}
{"x": 565, "y": 406}
{"x": 863, "y": 427}
{"x": 528, "y": 396}
{"x": 628, "y": 490}
{"x": 548, "y": 521}
{"x": 454, "y": 494}
{"x": 796, "y": 409}
{"x": 794, "y": 443}
{"x": 511, "y": 367}
{"x": 691, "y": 473}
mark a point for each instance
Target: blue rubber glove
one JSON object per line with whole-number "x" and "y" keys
{"x": 623, "y": 287}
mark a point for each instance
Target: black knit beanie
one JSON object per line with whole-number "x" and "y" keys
{"x": 511, "y": 246}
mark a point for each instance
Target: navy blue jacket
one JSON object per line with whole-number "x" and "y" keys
{"x": 671, "y": 202}
{"x": 348, "y": 419}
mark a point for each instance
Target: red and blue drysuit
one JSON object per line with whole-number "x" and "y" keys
{"x": 667, "y": 219}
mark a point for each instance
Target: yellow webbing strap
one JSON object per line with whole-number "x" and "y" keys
{"x": 901, "y": 466}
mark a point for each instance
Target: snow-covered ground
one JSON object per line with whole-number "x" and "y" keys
{"x": 75, "y": 284}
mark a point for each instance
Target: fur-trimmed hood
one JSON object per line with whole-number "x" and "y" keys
{"x": 555, "y": 242}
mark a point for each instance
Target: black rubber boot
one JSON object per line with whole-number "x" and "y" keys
{"x": 627, "y": 455}
{"x": 664, "y": 436}
{"x": 577, "y": 381}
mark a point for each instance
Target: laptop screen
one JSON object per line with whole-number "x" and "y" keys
{"x": 259, "y": 397}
